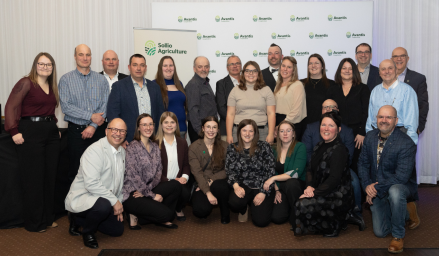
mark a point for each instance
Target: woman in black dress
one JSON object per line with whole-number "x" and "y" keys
{"x": 316, "y": 88}
{"x": 325, "y": 204}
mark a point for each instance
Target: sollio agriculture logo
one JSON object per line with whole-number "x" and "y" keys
{"x": 261, "y": 19}
{"x": 336, "y": 18}
{"x": 353, "y": 35}
{"x": 150, "y": 48}
{"x": 292, "y": 53}
{"x": 329, "y": 52}
{"x": 205, "y": 37}
{"x": 223, "y": 19}
{"x": 317, "y": 36}
{"x": 255, "y": 53}
{"x": 181, "y": 19}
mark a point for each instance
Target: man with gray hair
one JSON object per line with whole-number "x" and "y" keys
{"x": 110, "y": 62}
{"x": 223, "y": 88}
{"x": 200, "y": 97}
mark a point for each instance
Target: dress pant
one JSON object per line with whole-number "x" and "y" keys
{"x": 201, "y": 207}
{"x": 38, "y": 164}
{"x": 261, "y": 214}
{"x": 290, "y": 190}
{"x": 193, "y": 135}
{"x": 77, "y": 145}
{"x": 147, "y": 210}
{"x": 185, "y": 195}
{"x": 100, "y": 217}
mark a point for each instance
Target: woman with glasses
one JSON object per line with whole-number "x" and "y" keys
{"x": 352, "y": 97}
{"x": 289, "y": 181}
{"x": 251, "y": 99}
{"x": 316, "y": 88}
{"x": 175, "y": 161}
{"x": 290, "y": 96}
{"x": 173, "y": 94}
{"x": 144, "y": 197}
{"x": 30, "y": 119}
{"x": 207, "y": 159}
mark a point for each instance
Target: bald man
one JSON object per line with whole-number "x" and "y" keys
{"x": 83, "y": 96}
{"x": 386, "y": 171}
{"x": 110, "y": 62}
{"x": 94, "y": 199}
{"x": 417, "y": 81}
{"x": 397, "y": 94}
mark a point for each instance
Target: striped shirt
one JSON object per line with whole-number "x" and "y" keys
{"x": 143, "y": 99}
{"x": 83, "y": 95}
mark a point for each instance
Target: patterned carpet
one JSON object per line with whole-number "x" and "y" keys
{"x": 211, "y": 234}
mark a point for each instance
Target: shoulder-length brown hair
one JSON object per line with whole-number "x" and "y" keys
{"x": 260, "y": 83}
{"x": 160, "y": 133}
{"x": 356, "y": 78}
{"x": 33, "y": 75}
{"x": 218, "y": 152}
{"x": 324, "y": 77}
{"x": 160, "y": 79}
{"x": 137, "y": 132}
{"x": 254, "y": 146}
{"x": 279, "y": 141}
{"x": 294, "y": 77}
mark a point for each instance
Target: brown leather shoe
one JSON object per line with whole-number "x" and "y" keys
{"x": 414, "y": 217}
{"x": 396, "y": 245}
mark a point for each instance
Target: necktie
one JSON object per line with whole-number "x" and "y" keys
{"x": 274, "y": 70}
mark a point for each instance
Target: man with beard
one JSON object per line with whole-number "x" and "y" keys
{"x": 385, "y": 168}
{"x": 270, "y": 74}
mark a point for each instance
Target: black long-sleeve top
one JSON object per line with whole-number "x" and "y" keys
{"x": 316, "y": 94}
{"x": 251, "y": 171}
{"x": 336, "y": 162}
{"x": 353, "y": 107}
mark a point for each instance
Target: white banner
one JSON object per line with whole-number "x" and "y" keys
{"x": 181, "y": 45}
{"x": 332, "y": 29}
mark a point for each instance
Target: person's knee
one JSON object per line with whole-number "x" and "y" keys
{"x": 279, "y": 219}
{"x": 201, "y": 212}
{"x": 380, "y": 233}
{"x": 396, "y": 193}
{"x": 117, "y": 232}
{"x": 102, "y": 206}
{"x": 261, "y": 222}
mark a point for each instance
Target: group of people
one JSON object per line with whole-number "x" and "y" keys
{"x": 284, "y": 149}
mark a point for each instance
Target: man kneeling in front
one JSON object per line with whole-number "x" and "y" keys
{"x": 386, "y": 172}
{"x": 94, "y": 199}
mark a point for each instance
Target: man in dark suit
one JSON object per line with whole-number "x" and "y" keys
{"x": 274, "y": 59}
{"x": 417, "y": 81}
{"x": 135, "y": 95}
{"x": 223, "y": 89}
{"x": 110, "y": 62}
{"x": 387, "y": 175}
{"x": 369, "y": 73}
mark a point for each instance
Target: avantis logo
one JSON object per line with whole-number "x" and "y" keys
{"x": 236, "y": 36}
{"x": 255, "y": 53}
{"x": 348, "y": 34}
{"x": 199, "y": 36}
{"x": 292, "y": 18}
{"x": 329, "y": 52}
{"x": 180, "y": 19}
{"x": 212, "y": 71}
{"x": 223, "y": 19}
{"x": 311, "y": 35}
{"x": 255, "y": 18}
{"x": 330, "y": 17}
{"x": 217, "y": 18}
{"x": 217, "y": 53}
{"x": 302, "y": 53}
{"x": 292, "y": 53}
{"x": 273, "y": 35}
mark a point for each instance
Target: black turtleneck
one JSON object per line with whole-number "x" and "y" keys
{"x": 316, "y": 94}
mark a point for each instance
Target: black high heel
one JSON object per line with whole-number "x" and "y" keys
{"x": 128, "y": 217}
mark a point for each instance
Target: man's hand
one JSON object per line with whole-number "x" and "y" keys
{"x": 118, "y": 208}
{"x": 259, "y": 198}
{"x": 371, "y": 191}
{"x": 309, "y": 191}
{"x": 125, "y": 144}
{"x": 88, "y": 132}
{"x": 239, "y": 191}
{"x": 120, "y": 217}
{"x": 359, "y": 141}
{"x": 18, "y": 139}
{"x": 369, "y": 200}
{"x": 158, "y": 198}
{"x": 97, "y": 118}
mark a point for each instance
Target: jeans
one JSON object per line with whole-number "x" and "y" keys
{"x": 389, "y": 213}
{"x": 357, "y": 190}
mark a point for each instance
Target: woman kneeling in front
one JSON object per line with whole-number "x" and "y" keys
{"x": 249, "y": 163}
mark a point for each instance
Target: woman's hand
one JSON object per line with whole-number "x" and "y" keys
{"x": 198, "y": 189}
{"x": 212, "y": 199}
{"x": 182, "y": 180}
{"x": 229, "y": 139}
{"x": 137, "y": 194}
{"x": 270, "y": 138}
{"x": 359, "y": 141}
{"x": 278, "y": 198}
{"x": 259, "y": 198}
{"x": 302, "y": 196}
{"x": 18, "y": 139}
{"x": 309, "y": 191}
{"x": 158, "y": 198}
{"x": 239, "y": 191}
{"x": 268, "y": 183}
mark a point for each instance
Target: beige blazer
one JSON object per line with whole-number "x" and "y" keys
{"x": 96, "y": 178}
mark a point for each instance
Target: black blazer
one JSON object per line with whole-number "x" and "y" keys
{"x": 269, "y": 78}
{"x": 419, "y": 83}
{"x": 374, "y": 78}
{"x": 183, "y": 159}
{"x": 223, "y": 89}
{"x": 120, "y": 77}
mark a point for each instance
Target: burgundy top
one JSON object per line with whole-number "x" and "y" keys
{"x": 27, "y": 99}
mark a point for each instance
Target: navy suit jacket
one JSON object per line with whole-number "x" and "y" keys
{"x": 419, "y": 83}
{"x": 396, "y": 163}
{"x": 223, "y": 89}
{"x": 374, "y": 78}
{"x": 311, "y": 137}
{"x": 122, "y": 103}
{"x": 269, "y": 78}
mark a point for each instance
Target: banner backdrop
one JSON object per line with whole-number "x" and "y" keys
{"x": 332, "y": 29}
{"x": 156, "y": 43}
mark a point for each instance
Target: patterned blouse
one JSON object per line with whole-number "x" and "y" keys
{"x": 143, "y": 169}
{"x": 250, "y": 171}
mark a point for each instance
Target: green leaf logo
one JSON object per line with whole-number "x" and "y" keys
{"x": 180, "y": 19}
{"x": 311, "y": 35}
{"x": 329, "y": 52}
{"x": 292, "y": 53}
{"x": 292, "y": 18}
{"x": 217, "y": 18}
{"x": 330, "y": 17}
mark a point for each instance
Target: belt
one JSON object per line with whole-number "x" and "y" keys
{"x": 259, "y": 127}
{"x": 38, "y": 118}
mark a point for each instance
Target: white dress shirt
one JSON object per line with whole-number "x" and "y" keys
{"x": 111, "y": 81}
{"x": 275, "y": 73}
{"x": 119, "y": 175}
{"x": 234, "y": 81}
{"x": 171, "y": 152}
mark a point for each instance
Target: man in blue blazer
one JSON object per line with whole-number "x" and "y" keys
{"x": 135, "y": 95}
{"x": 387, "y": 175}
{"x": 370, "y": 74}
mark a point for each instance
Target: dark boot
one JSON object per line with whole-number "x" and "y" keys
{"x": 73, "y": 228}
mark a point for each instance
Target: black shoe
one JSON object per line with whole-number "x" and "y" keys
{"x": 355, "y": 219}
{"x": 171, "y": 226}
{"x": 73, "y": 228}
{"x": 225, "y": 220}
{"x": 128, "y": 217}
{"x": 333, "y": 234}
{"x": 90, "y": 241}
{"x": 180, "y": 218}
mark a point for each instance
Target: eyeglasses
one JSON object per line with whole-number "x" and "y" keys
{"x": 331, "y": 107}
{"x": 399, "y": 56}
{"x": 286, "y": 131}
{"x": 361, "y": 53}
{"x": 386, "y": 117}
{"x": 115, "y": 131}
{"x": 42, "y": 65}
{"x": 234, "y": 64}
{"x": 248, "y": 71}
{"x": 147, "y": 125}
